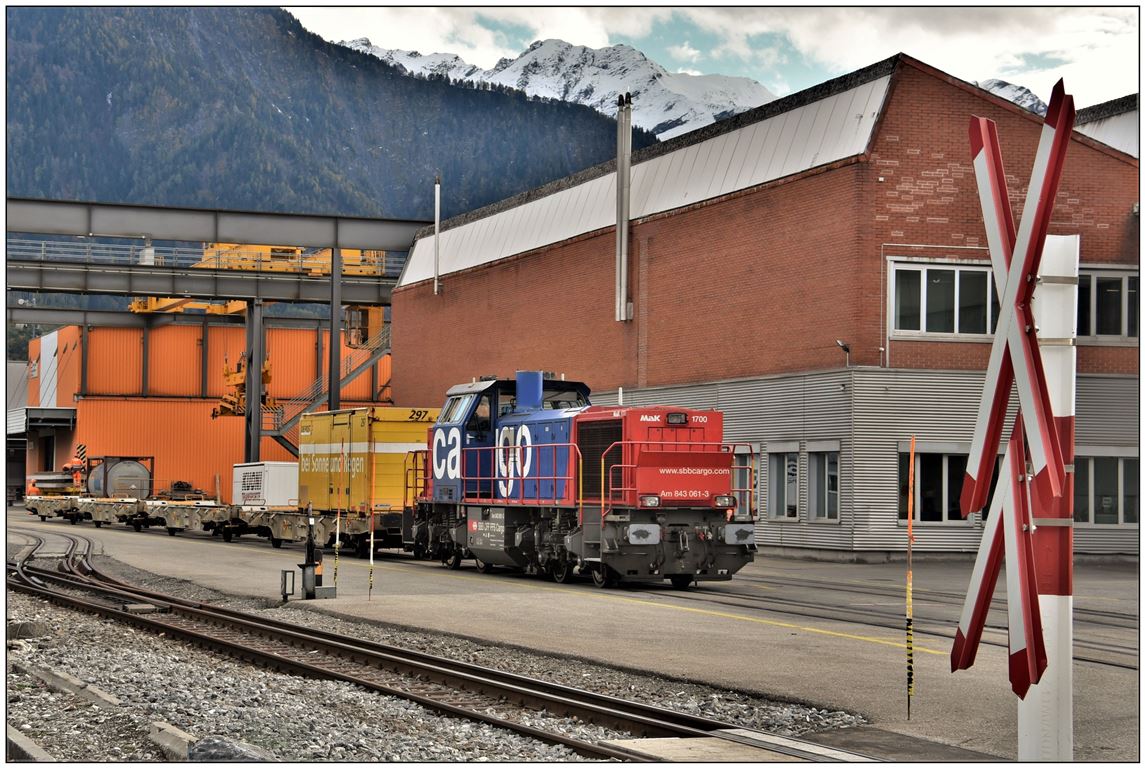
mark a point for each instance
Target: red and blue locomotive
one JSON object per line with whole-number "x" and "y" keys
{"x": 525, "y": 473}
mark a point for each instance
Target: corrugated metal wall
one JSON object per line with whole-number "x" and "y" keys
{"x": 174, "y": 365}
{"x": 871, "y": 412}
{"x": 115, "y": 361}
{"x": 185, "y": 441}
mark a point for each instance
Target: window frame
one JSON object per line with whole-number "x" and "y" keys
{"x": 944, "y": 491}
{"x": 1093, "y": 272}
{"x": 816, "y": 459}
{"x": 898, "y": 264}
{"x": 773, "y": 506}
{"x": 1090, "y": 523}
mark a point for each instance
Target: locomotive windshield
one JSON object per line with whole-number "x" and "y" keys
{"x": 455, "y": 409}
{"x": 564, "y": 398}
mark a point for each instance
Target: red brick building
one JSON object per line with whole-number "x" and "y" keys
{"x": 844, "y": 214}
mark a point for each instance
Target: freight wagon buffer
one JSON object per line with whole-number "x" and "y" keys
{"x": 526, "y": 474}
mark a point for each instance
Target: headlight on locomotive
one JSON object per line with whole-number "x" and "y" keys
{"x": 725, "y": 502}
{"x": 649, "y": 501}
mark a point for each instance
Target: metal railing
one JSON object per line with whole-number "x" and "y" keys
{"x": 505, "y": 486}
{"x": 312, "y": 261}
{"x": 625, "y": 491}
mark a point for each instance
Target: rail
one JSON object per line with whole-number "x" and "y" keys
{"x": 301, "y": 261}
{"x": 502, "y": 699}
{"x": 625, "y": 490}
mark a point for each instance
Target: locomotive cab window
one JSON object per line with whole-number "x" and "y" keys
{"x": 455, "y": 409}
{"x": 479, "y": 423}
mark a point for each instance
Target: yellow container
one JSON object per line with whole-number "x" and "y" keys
{"x": 355, "y": 459}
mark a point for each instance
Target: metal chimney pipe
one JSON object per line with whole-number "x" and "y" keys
{"x": 436, "y": 231}
{"x": 623, "y": 194}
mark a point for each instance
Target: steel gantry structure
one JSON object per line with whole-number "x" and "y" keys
{"x": 74, "y": 271}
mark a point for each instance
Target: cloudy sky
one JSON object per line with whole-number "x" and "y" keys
{"x": 1096, "y": 50}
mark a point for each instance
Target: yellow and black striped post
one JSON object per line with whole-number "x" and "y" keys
{"x": 909, "y": 581}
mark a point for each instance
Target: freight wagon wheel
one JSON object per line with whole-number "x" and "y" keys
{"x": 172, "y": 531}
{"x": 682, "y": 580}
{"x": 73, "y": 519}
{"x": 227, "y": 533}
{"x": 603, "y": 577}
{"x": 276, "y": 542}
{"x": 137, "y": 526}
{"x": 483, "y": 566}
{"x": 562, "y": 572}
{"x": 98, "y": 523}
{"x": 43, "y": 518}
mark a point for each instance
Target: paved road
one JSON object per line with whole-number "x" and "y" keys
{"x": 762, "y": 632}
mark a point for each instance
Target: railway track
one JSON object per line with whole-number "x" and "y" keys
{"x": 461, "y": 689}
{"x": 1089, "y": 650}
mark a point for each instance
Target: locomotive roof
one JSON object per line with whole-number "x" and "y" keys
{"x": 511, "y": 384}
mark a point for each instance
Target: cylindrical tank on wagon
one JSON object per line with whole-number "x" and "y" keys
{"x": 123, "y": 477}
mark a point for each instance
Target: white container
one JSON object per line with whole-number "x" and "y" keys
{"x": 266, "y": 484}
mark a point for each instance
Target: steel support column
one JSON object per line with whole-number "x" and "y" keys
{"x": 83, "y": 360}
{"x": 335, "y": 373}
{"x": 253, "y": 381}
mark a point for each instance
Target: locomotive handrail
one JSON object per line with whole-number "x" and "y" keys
{"x": 730, "y": 448}
{"x": 519, "y": 481}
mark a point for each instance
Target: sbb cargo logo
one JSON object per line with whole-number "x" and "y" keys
{"x": 514, "y": 456}
{"x": 447, "y": 454}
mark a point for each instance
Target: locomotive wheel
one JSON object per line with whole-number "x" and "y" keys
{"x": 602, "y": 577}
{"x": 418, "y": 552}
{"x": 453, "y": 560}
{"x": 276, "y": 543}
{"x": 482, "y": 566}
{"x": 682, "y": 580}
{"x": 562, "y": 572}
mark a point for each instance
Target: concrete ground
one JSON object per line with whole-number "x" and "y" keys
{"x": 755, "y": 633}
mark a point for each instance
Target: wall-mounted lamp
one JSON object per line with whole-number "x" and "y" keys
{"x": 846, "y": 350}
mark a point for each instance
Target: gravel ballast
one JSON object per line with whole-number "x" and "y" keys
{"x": 300, "y": 720}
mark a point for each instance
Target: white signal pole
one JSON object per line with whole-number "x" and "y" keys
{"x": 1045, "y": 716}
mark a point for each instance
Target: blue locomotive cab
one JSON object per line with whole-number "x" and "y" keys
{"x": 483, "y": 440}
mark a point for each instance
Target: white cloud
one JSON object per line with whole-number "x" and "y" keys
{"x": 1099, "y": 46}
{"x": 685, "y": 52}
{"x": 685, "y": 71}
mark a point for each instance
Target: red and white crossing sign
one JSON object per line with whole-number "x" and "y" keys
{"x": 1014, "y": 358}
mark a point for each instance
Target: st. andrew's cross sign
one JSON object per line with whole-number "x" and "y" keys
{"x": 1014, "y": 358}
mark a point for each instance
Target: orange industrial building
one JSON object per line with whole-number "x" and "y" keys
{"x": 150, "y": 393}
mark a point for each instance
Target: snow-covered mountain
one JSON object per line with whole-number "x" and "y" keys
{"x": 666, "y": 103}
{"x": 1018, "y": 94}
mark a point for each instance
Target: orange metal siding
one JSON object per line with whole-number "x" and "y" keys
{"x": 34, "y": 381}
{"x": 115, "y": 361}
{"x": 185, "y": 441}
{"x": 68, "y": 366}
{"x": 174, "y": 361}
{"x": 291, "y": 354}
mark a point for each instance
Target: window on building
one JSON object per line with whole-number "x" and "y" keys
{"x": 823, "y": 484}
{"x": 1107, "y": 305}
{"x": 946, "y": 299}
{"x": 783, "y": 483}
{"x": 937, "y": 486}
{"x": 1106, "y": 490}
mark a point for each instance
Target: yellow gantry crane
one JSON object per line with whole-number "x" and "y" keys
{"x": 361, "y": 323}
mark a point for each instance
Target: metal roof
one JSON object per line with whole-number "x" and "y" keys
{"x": 811, "y": 133}
{"x": 1120, "y": 131}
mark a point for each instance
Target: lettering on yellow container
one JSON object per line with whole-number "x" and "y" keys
{"x": 349, "y": 459}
